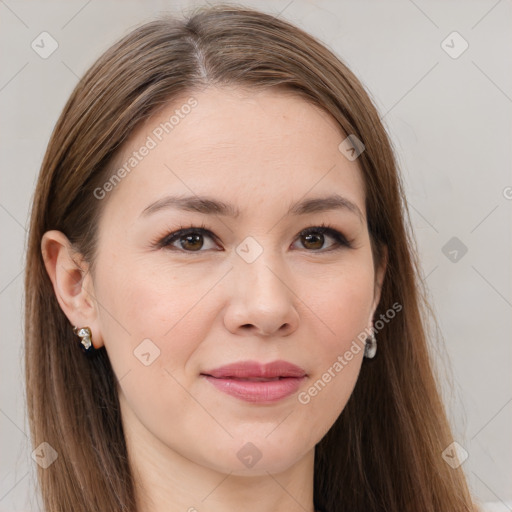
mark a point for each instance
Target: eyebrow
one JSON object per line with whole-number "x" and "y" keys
{"x": 210, "y": 206}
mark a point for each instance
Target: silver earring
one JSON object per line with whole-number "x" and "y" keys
{"x": 370, "y": 347}
{"x": 85, "y": 335}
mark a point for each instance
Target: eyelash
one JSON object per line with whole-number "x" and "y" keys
{"x": 341, "y": 241}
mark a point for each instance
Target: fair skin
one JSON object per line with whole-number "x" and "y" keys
{"x": 302, "y": 300}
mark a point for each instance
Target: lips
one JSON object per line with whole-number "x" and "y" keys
{"x": 254, "y": 370}
{"x": 255, "y": 382}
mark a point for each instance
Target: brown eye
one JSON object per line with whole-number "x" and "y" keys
{"x": 314, "y": 239}
{"x": 189, "y": 240}
{"x": 192, "y": 240}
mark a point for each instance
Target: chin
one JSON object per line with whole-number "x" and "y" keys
{"x": 257, "y": 457}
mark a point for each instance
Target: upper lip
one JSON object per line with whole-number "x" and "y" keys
{"x": 254, "y": 369}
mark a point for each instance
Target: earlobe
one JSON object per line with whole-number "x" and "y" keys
{"x": 67, "y": 272}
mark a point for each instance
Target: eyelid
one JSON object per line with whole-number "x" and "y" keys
{"x": 341, "y": 240}
{"x": 327, "y": 229}
{"x": 182, "y": 231}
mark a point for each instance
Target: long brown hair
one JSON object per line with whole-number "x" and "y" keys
{"x": 384, "y": 450}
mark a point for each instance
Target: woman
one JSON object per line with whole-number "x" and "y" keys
{"x": 220, "y": 226}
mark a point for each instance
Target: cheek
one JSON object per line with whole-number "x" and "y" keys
{"x": 150, "y": 329}
{"x": 343, "y": 308}
{"x": 148, "y": 309}
{"x": 342, "y": 301}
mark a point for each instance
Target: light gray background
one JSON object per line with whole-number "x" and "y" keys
{"x": 449, "y": 120}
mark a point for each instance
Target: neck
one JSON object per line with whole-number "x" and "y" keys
{"x": 166, "y": 481}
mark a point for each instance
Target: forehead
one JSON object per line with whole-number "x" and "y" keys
{"x": 249, "y": 147}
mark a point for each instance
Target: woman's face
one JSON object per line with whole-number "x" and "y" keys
{"x": 234, "y": 289}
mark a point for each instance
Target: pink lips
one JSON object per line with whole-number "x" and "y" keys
{"x": 255, "y": 382}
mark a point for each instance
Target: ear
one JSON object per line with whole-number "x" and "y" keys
{"x": 380, "y": 273}
{"x": 72, "y": 283}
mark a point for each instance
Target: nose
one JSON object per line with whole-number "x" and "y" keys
{"x": 261, "y": 300}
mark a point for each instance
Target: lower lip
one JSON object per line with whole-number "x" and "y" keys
{"x": 258, "y": 391}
